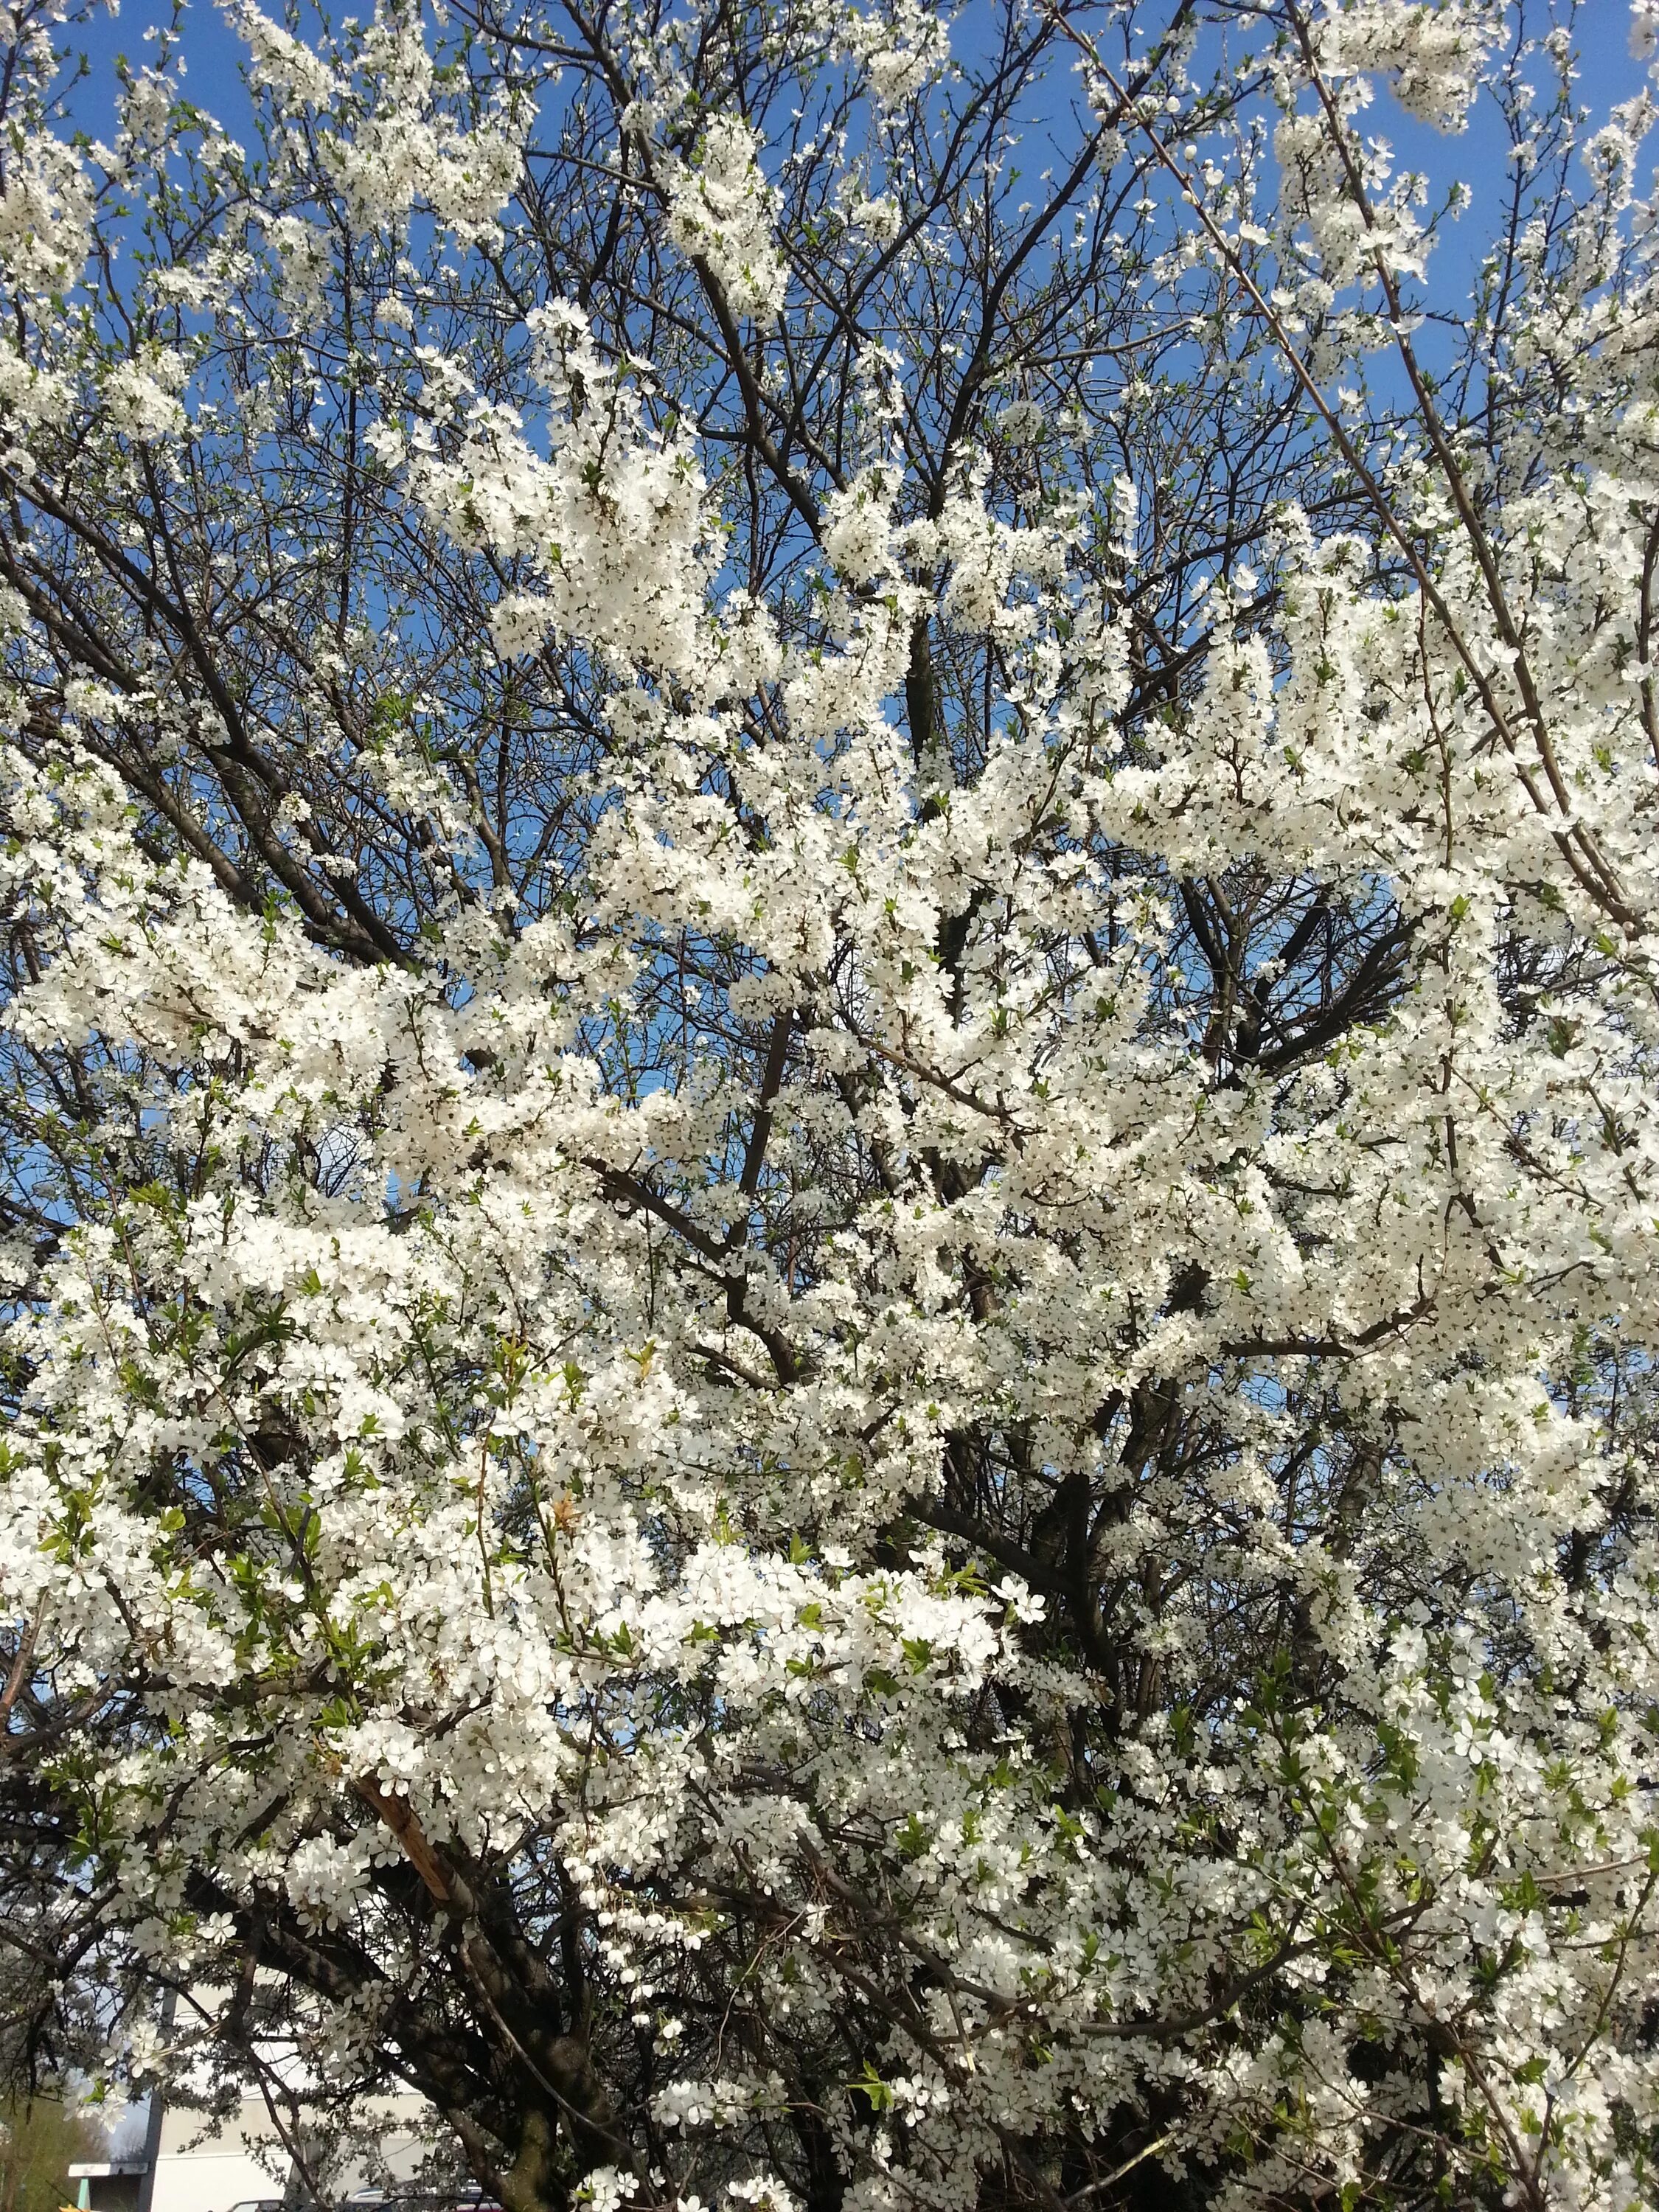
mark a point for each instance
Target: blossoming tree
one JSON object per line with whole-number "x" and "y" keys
{"x": 830, "y": 1172}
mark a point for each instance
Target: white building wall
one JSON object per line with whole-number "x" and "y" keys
{"x": 204, "y": 2168}
{"x": 208, "y": 2172}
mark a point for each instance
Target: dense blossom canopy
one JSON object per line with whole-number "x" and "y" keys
{"x": 831, "y": 917}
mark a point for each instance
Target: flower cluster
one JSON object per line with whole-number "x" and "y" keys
{"x": 831, "y": 1332}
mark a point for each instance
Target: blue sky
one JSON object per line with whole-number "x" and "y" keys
{"x": 1609, "y": 73}
{"x": 1478, "y": 157}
